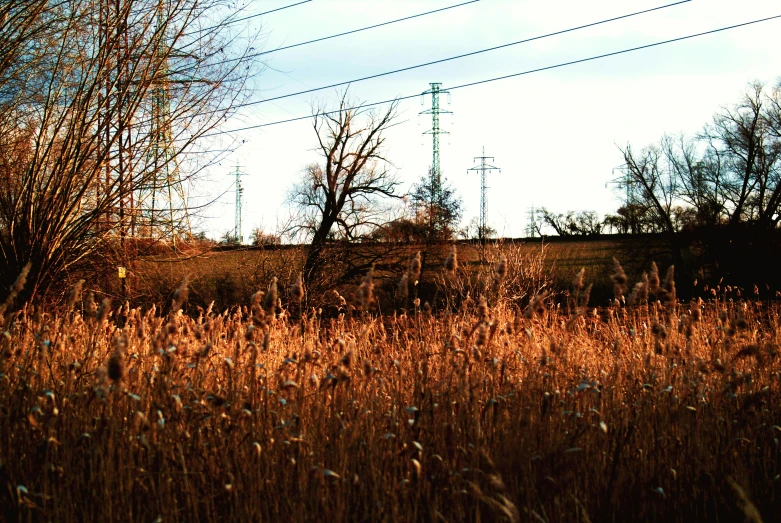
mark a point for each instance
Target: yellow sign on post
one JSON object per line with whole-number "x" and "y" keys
{"x": 122, "y": 273}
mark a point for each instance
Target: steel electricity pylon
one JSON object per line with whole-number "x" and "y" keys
{"x": 531, "y": 227}
{"x": 116, "y": 136}
{"x": 483, "y": 168}
{"x": 436, "y": 173}
{"x": 162, "y": 202}
{"x": 237, "y": 232}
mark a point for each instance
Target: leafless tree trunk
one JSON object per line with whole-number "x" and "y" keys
{"x": 341, "y": 198}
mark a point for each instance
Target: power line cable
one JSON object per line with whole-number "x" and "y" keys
{"x": 555, "y": 33}
{"x": 245, "y": 18}
{"x": 353, "y": 31}
{"x": 504, "y": 77}
{"x": 365, "y": 28}
{"x": 464, "y": 55}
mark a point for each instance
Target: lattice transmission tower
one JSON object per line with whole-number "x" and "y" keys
{"x": 237, "y": 232}
{"x": 531, "y": 226}
{"x": 151, "y": 202}
{"x": 483, "y": 168}
{"x": 162, "y": 204}
{"x": 114, "y": 101}
{"x": 436, "y": 173}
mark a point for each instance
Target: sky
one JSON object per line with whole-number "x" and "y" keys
{"x": 555, "y": 134}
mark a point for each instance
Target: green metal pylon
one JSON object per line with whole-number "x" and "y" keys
{"x": 435, "y": 131}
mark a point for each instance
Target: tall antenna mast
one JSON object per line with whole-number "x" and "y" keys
{"x": 483, "y": 168}
{"x": 237, "y": 233}
{"x": 435, "y": 131}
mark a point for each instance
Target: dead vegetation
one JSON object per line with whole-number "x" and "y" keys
{"x": 485, "y": 408}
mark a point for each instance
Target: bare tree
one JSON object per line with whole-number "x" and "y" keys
{"x": 634, "y": 218}
{"x": 700, "y": 180}
{"x": 571, "y": 223}
{"x": 97, "y": 99}
{"x": 747, "y": 141}
{"x": 342, "y": 197}
{"x": 652, "y": 183}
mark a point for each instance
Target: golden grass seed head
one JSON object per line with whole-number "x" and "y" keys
{"x": 619, "y": 280}
{"x": 501, "y": 269}
{"x": 639, "y": 293}
{"x": 180, "y": 295}
{"x": 120, "y": 343}
{"x": 482, "y": 335}
{"x": 92, "y": 307}
{"x": 21, "y": 280}
{"x": 482, "y": 309}
{"x": 586, "y": 295}
{"x": 669, "y": 284}
{"x": 492, "y": 333}
{"x": 75, "y": 294}
{"x": 105, "y": 307}
{"x": 116, "y": 366}
{"x": 257, "y": 300}
{"x": 366, "y": 290}
{"x": 403, "y": 291}
{"x": 297, "y": 289}
{"x": 16, "y": 288}
{"x": 578, "y": 281}
{"x": 658, "y": 330}
{"x": 451, "y": 263}
{"x": 653, "y": 279}
{"x": 696, "y": 313}
{"x": 536, "y": 306}
{"x": 414, "y": 268}
{"x": 270, "y": 299}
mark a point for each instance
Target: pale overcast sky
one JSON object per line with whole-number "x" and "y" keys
{"x": 553, "y": 133}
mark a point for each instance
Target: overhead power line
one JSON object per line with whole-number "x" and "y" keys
{"x": 504, "y": 77}
{"x": 464, "y": 55}
{"x": 365, "y": 28}
{"x": 245, "y": 18}
{"x": 345, "y": 33}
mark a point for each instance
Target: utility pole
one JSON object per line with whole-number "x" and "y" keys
{"x": 435, "y": 131}
{"x": 237, "y": 234}
{"x": 483, "y": 168}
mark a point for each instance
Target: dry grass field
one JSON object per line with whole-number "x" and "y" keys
{"x": 481, "y": 410}
{"x": 228, "y": 277}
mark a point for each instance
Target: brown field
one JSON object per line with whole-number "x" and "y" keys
{"x": 228, "y": 277}
{"x": 478, "y": 410}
